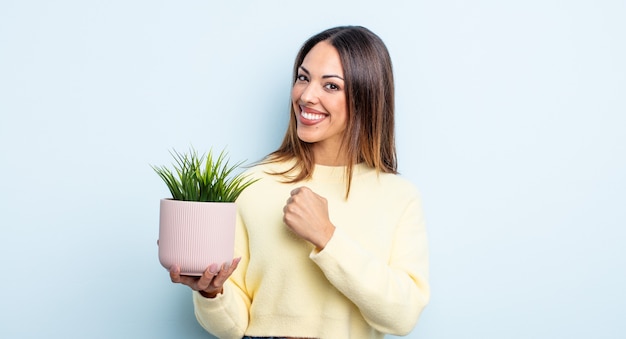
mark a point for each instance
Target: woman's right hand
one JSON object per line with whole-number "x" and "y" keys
{"x": 211, "y": 283}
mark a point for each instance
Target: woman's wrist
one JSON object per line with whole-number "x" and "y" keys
{"x": 209, "y": 295}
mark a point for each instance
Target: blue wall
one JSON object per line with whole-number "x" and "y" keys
{"x": 511, "y": 120}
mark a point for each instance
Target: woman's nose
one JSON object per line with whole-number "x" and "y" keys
{"x": 309, "y": 94}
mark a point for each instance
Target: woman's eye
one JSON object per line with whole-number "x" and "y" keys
{"x": 332, "y": 86}
{"x": 302, "y": 78}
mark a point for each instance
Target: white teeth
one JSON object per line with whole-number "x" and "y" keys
{"x": 312, "y": 116}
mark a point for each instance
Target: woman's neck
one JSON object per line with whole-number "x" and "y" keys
{"x": 329, "y": 157}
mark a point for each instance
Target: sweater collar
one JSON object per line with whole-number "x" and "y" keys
{"x": 337, "y": 173}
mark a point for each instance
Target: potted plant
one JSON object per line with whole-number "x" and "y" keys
{"x": 197, "y": 225}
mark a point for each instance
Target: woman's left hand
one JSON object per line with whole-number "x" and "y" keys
{"x": 306, "y": 214}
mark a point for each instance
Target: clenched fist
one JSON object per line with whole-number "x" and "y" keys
{"x": 306, "y": 214}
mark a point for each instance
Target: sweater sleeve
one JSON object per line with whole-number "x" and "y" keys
{"x": 226, "y": 315}
{"x": 390, "y": 292}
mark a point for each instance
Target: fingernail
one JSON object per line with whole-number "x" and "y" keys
{"x": 226, "y": 266}
{"x": 213, "y": 269}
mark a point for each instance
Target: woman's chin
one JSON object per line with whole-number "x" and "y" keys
{"x": 308, "y": 137}
{"x": 308, "y": 140}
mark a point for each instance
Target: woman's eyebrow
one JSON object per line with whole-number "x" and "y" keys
{"x": 331, "y": 76}
{"x": 323, "y": 76}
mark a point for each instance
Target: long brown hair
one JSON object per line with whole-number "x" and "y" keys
{"x": 369, "y": 89}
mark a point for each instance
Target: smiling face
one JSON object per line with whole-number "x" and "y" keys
{"x": 319, "y": 102}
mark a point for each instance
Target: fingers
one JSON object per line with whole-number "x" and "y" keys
{"x": 301, "y": 189}
{"x": 177, "y": 278}
{"x": 216, "y": 284}
{"x": 299, "y": 194}
{"x": 304, "y": 200}
{"x": 207, "y": 277}
{"x": 212, "y": 280}
{"x": 304, "y": 192}
{"x": 225, "y": 272}
{"x": 175, "y": 274}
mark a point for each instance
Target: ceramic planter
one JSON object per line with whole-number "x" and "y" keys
{"x": 194, "y": 235}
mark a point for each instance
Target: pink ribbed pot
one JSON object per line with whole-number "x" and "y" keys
{"x": 194, "y": 235}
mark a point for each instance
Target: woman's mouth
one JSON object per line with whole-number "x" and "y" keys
{"x": 309, "y": 117}
{"x": 312, "y": 116}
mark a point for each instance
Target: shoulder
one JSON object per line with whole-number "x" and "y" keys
{"x": 397, "y": 180}
{"x": 400, "y": 184}
{"x": 267, "y": 169}
{"x": 386, "y": 186}
{"x": 391, "y": 181}
{"x": 267, "y": 180}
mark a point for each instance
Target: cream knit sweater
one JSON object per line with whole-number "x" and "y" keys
{"x": 370, "y": 279}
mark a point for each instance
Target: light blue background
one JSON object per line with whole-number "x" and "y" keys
{"x": 511, "y": 121}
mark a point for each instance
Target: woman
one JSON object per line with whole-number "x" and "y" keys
{"x": 330, "y": 241}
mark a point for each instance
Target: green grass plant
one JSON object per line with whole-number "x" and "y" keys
{"x": 204, "y": 177}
